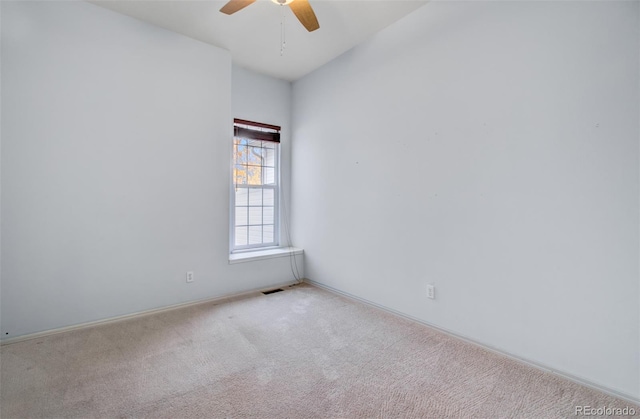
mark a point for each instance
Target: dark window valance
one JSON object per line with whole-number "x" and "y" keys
{"x": 256, "y": 130}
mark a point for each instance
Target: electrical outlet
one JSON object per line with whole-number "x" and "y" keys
{"x": 431, "y": 291}
{"x": 190, "y": 276}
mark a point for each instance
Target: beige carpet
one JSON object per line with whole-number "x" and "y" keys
{"x": 300, "y": 353}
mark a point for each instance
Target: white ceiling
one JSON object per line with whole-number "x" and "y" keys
{"x": 253, "y": 34}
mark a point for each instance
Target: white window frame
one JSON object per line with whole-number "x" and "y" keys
{"x": 275, "y": 187}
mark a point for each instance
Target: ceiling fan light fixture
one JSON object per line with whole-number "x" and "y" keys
{"x": 282, "y": 2}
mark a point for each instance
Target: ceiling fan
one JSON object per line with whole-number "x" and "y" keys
{"x": 301, "y": 8}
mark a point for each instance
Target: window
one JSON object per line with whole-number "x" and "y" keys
{"x": 254, "y": 215}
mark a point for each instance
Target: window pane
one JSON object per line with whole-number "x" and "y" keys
{"x": 241, "y": 196}
{"x": 255, "y": 234}
{"x": 267, "y": 215}
{"x": 255, "y": 196}
{"x": 241, "y": 216}
{"x": 254, "y": 175}
{"x": 270, "y": 157}
{"x": 268, "y": 197}
{"x": 255, "y": 156}
{"x": 255, "y": 215}
{"x": 269, "y": 176}
{"x": 240, "y": 174}
{"x": 241, "y": 236}
{"x": 240, "y": 154}
{"x": 267, "y": 234}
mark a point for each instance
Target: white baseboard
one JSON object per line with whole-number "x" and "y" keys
{"x": 116, "y": 319}
{"x": 533, "y": 364}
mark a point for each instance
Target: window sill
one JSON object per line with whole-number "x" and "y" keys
{"x": 254, "y": 255}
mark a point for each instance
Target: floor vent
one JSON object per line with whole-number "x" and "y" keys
{"x": 272, "y": 291}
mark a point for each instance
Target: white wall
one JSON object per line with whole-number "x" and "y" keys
{"x": 490, "y": 148}
{"x": 116, "y": 146}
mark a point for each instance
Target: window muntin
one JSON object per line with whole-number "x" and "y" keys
{"x": 255, "y": 186}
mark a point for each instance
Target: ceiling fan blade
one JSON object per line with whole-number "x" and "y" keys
{"x": 235, "y": 5}
{"x": 303, "y": 11}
